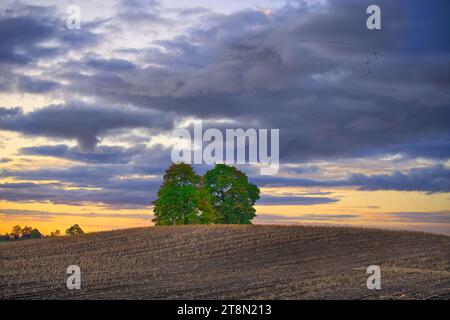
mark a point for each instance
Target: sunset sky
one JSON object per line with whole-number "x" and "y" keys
{"x": 86, "y": 116}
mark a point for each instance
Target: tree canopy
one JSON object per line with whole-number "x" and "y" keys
{"x": 17, "y": 232}
{"x": 222, "y": 195}
{"x": 233, "y": 195}
{"x": 182, "y": 198}
{"x": 26, "y": 232}
{"x": 74, "y": 230}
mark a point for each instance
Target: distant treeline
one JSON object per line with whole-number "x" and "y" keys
{"x": 19, "y": 233}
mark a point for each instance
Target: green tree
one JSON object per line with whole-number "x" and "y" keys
{"x": 35, "y": 234}
{"x": 182, "y": 198}
{"x": 233, "y": 196}
{"x": 74, "y": 230}
{"x": 204, "y": 202}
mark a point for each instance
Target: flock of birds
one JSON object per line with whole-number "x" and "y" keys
{"x": 367, "y": 57}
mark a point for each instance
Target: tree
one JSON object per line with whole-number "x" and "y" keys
{"x": 26, "y": 232}
{"x": 35, "y": 234}
{"x": 74, "y": 230}
{"x": 233, "y": 197}
{"x": 182, "y": 199}
{"x": 57, "y": 233}
{"x": 16, "y": 232}
{"x": 204, "y": 199}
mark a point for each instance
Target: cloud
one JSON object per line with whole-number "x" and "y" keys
{"x": 426, "y": 179}
{"x": 85, "y": 123}
{"x": 32, "y": 85}
{"x": 438, "y": 148}
{"x": 133, "y": 193}
{"x": 302, "y": 169}
{"x": 9, "y": 112}
{"x": 298, "y": 70}
{"x": 113, "y": 177}
{"x": 35, "y": 37}
{"x": 45, "y": 215}
{"x": 48, "y": 216}
{"x": 101, "y": 154}
{"x": 138, "y": 11}
{"x": 303, "y": 217}
{"x": 111, "y": 65}
{"x": 422, "y": 217}
{"x": 27, "y": 30}
{"x": 440, "y": 217}
{"x": 294, "y": 200}
{"x": 100, "y": 175}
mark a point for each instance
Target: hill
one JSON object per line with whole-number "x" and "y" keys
{"x": 229, "y": 262}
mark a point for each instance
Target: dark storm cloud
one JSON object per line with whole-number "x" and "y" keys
{"x": 294, "y": 200}
{"x": 26, "y": 29}
{"x": 438, "y": 148}
{"x": 81, "y": 122}
{"x": 20, "y": 38}
{"x": 44, "y": 214}
{"x": 302, "y": 217}
{"x": 110, "y": 64}
{"x": 92, "y": 176}
{"x": 102, "y": 154}
{"x": 302, "y": 169}
{"x": 311, "y": 72}
{"x": 135, "y": 193}
{"x": 32, "y": 34}
{"x": 30, "y": 85}
{"x": 427, "y": 179}
{"x": 9, "y": 112}
{"x": 83, "y": 176}
{"x": 21, "y": 185}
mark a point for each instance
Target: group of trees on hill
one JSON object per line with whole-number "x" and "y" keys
{"x": 24, "y": 233}
{"x": 19, "y": 233}
{"x": 221, "y": 195}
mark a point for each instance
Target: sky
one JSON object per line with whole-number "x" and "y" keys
{"x": 86, "y": 115}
